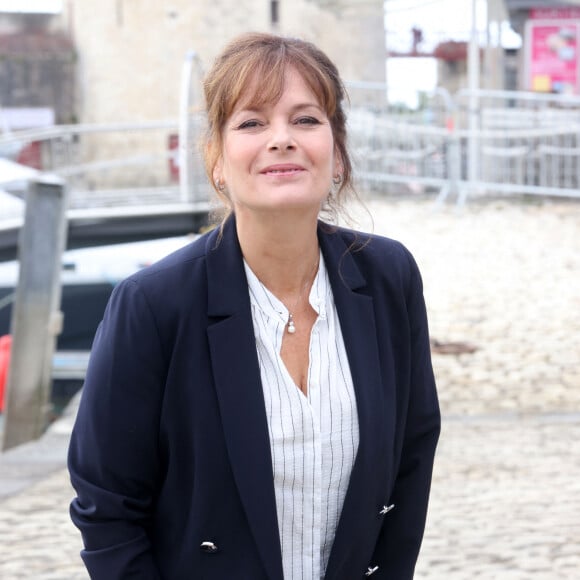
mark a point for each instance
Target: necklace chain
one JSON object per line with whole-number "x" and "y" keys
{"x": 290, "y": 326}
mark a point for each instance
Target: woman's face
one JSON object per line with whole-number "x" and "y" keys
{"x": 280, "y": 156}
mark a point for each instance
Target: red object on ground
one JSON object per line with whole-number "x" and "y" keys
{"x": 5, "y": 344}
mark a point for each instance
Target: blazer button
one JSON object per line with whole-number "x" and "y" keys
{"x": 208, "y": 547}
{"x": 370, "y": 571}
{"x": 386, "y": 509}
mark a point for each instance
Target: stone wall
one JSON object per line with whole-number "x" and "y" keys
{"x": 131, "y": 53}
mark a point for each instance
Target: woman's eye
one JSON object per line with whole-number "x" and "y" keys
{"x": 307, "y": 121}
{"x": 249, "y": 124}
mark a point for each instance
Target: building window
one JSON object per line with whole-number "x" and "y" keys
{"x": 274, "y": 12}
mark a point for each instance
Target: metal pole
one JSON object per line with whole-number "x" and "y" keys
{"x": 473, "y": 72}
{"x": 186, "y": 172}
{"x": 387, "y": 58}
{"x": 36, "y": 320}
{"x": 453, "y": 150}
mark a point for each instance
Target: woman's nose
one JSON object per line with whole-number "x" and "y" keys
{"x": 281, "y": 138}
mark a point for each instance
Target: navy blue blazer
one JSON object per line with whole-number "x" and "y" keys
{"x": 171, "y": 449}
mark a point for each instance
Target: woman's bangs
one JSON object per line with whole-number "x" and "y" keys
{"x": 257, "y": 85}
{"x": 262, "y": 82}
{"x": 320, "y": 86}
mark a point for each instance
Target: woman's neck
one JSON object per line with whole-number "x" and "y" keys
{"x": 282, "y": 253}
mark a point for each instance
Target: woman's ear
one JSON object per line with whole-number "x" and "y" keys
{"x": 217, "y": 174}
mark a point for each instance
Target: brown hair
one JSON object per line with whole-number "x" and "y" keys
{"x": 267, "y": 57}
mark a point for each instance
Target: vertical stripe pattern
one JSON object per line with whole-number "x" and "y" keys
{"x": 313, "y": 439}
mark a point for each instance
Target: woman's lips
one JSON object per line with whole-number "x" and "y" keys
{"x": 282, "y": 170}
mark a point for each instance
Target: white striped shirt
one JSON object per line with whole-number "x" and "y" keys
{"x": 313, "y": 439}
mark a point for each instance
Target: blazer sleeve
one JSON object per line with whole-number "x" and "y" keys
{"x": 400, "y": 539}
{"x": 113, "y": 458}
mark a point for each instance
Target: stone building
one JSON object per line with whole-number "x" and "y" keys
{"x": 131, "y": 52}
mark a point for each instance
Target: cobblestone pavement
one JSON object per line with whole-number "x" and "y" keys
{"x": 502, "y": 279}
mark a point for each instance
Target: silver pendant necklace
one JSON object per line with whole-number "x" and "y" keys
{"x": 290, "y": 326}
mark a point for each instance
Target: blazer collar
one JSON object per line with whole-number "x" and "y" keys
{"x": 226, "y": 274}
{"x": 227, "y": 282}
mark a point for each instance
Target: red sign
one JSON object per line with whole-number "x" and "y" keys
{"x": 553, "y": 63}
{"x": 554, "y": 13}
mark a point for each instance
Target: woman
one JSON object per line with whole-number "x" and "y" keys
{"x": 261, "y": 403}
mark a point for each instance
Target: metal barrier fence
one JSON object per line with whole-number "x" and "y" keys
{"x": 526, "y": 142}
{"x": 474, "y": 143}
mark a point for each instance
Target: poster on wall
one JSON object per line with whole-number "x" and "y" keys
{"x": 553, "y": 64}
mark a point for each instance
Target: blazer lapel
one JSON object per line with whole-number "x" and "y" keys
{"x": 353, "y": 546}
{"x": 237, "y": 379}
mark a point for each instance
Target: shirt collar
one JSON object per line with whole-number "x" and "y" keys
{"x": 262, "y": 298}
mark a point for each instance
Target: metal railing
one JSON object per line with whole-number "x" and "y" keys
{"x": 115, "y": 164}
{"x": 527, "y": 142}
{"x": 523, "y": 143}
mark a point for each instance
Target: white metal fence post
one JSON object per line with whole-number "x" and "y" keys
{"x": 473, "y": 72}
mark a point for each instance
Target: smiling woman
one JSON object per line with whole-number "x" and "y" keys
{"x": 261, "y": 403}
{"x": 243, "y": 82}
{"x": 280, "y": 156}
